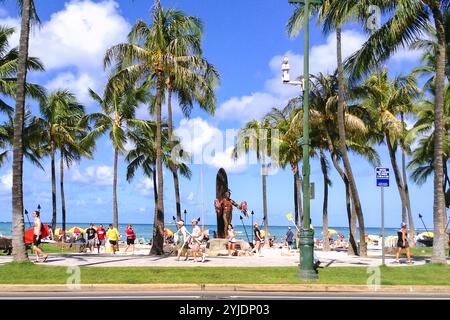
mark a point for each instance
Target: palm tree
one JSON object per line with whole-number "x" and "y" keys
{"x": 290, "y": 152}
{"x": 28, "y": 15}
{"x": 257, "y": 136}
{"x": 32, "y": 140}
{"x": 60, "y": 115}
{"x": 118, "y": 115}
{"x": 384, "y": 99}
{"x": 196, "y": 85}
{"x": 410, "y": 19}
{"x": 422, "y": 164}
{"x": 293, "y": 27}
{"x": 72, "y": 151}
{"x": 151, "y": 54}
{"x": 143, "y": 154}
{"x": 324, "y": 99}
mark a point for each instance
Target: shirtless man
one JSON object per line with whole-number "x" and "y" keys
{"x": 226, "y": 205}
{"x": 37, "y": 237}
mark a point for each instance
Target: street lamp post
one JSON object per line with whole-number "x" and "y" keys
{"x": 307, "y": 271}
{"x": 185, "y": 213}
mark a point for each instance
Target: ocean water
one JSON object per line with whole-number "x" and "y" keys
{"x": 146, "y": 230}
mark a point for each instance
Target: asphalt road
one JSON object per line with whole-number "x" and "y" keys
{"x": 214, "y": 295}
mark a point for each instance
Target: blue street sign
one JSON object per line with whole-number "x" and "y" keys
{"x": 382, "y": 177}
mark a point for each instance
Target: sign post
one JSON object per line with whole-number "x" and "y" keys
{"x": 382, "y": 176}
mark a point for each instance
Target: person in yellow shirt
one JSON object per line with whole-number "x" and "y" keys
{"x": 113, "y": 237}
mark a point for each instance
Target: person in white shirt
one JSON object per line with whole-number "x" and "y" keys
{"x": 180, "y": 239}
{"x": 196, "y": 238}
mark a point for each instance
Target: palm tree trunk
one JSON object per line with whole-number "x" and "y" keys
{"x": 343, "y": 148}
{"x": 412, "y": 230}
{"x": 173, "y": 168}
{"x": 158, "y": 226}
{"x": 155, "y": 187}
{"x": 323, "y": 165}
{"x": 398, "y": 177}
{"x": 439, "y": 213}
{"x": 264, "y": 192}
{"x": 115, "y": 207}
{"x": 53, "y": 151}
{"x": 63, "y": 199}
{"x": 351, "y": 214}
{"x": 19, "y": 250}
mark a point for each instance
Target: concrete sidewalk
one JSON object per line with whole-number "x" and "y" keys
{"x": 270, "y": 258}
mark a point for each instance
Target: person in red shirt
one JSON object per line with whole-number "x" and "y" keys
{"x": 131, "y": 236}
{"x": 100, "y": 235}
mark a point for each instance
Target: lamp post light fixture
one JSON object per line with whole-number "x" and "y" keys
{"x": 185, "y": 213}
{"x": 307, "y": 269}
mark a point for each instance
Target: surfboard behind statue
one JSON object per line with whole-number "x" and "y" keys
{"x": 221, "y": 189}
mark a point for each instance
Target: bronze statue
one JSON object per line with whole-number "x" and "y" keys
{"x": 224, "y": 204}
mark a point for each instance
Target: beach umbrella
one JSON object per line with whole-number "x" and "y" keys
{"x": 332, "y": 232}
{"x": 75, "y": 230}
{"x": 427, "y": 234}
{"x": 59, "y": 231}
{"x": 168, "y": 232}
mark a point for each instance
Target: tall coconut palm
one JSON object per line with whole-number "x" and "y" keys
{"x": 407, "y": 23}
{"x": 118, "y": 115}
{"x": 290, "y": 152}
{"x": 293, "y": 27}
{"x": 196, "y": 86}
{"x": 143, "y": 155}
{"x": 259, "y": 137}
{"x": 28, "y": 14}
{"x": 422, "y": 164}
{"x": 324, "y": 99}
{"x": 385, "y": 99}
{"x": 151, "y": 55}
{"x": 59, "y": 117}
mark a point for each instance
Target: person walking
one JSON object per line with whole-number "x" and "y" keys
{"x": 91, "y": 237}
{"x": 402, "y": 243}
{"x": 37, "y": 237}
{"x": 113, "y": 237}
{"x": 258, "y": 239}
{"x": 289, "y": 238}
{"x": 180, "y": 239}
{"x": 196, "y": 238}
{"x": 231, "y": 239}
{"x": 131, "y": 237}
{"x": 100, "y": 236}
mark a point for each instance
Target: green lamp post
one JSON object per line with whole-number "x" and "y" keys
{"x": 307, "y": 269}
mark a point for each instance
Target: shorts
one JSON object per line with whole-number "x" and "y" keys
{"x": 194, "y": 246}
{"x": 37, "y": 240}
{"x": 91, "y": 242}
{"x": 112, "y": 242}
{"x": 289, "y": 243}
{"x": 232, "y": 240}
{"x": 130, "y": 241}
{"x": 400, "y": 244}
{"x": 100, "y": 242}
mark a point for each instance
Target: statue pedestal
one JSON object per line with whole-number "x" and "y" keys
{"x": 218, "y": 247}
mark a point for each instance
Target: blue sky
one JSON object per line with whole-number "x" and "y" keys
{"x": 246, "y": 41}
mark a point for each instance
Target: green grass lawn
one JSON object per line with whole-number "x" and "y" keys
{"x": 28, "y": 273}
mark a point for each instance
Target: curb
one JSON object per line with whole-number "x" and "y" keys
{"x": 225, "y": 287}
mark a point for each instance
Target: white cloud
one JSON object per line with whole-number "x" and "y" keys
{"x": 93, "y": 175}
{"x": 99, "y": 201}
{"x": 275, "y": 93}
{"x": 190, "y": 196}
{"x": 145, "y": 186}
{"x": 225, "y": 160}
{"x": 6, "y": 183}
{"x": 78, "y": 85}
{"x": 76, "y": 37}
